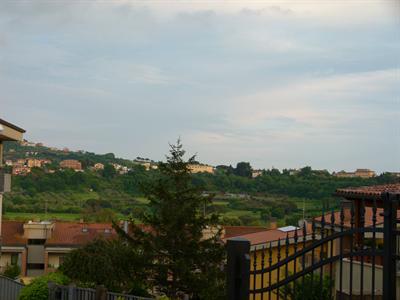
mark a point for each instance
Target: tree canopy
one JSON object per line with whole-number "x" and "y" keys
{"x": 183, "y": 258}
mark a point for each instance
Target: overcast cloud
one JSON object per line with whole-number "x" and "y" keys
{"x": 283, "y": 84}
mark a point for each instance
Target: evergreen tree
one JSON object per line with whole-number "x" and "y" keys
{"x": 183, "y": 258}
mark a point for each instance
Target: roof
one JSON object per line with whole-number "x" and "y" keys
{"x": 367, "y": 217}
{"x": 8, "y": 124}
{"x": 368, "y": 192}
{"x": 269, "y": 235}
{"x": 64, "y": 233}
{"x": 231, "y": 231}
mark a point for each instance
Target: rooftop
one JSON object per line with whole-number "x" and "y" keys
{"x": 8, "y": 124}
{"x": 368, "y": 192}
{"x": 63, "y": 234}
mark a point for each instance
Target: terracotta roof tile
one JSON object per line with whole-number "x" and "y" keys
{"x": 231, "y": 231}
{"x": 270, "y": 235}
{"x": 372, "y": 192}
{"x": 64, "y": 233}
{"x": 368, "y": 217}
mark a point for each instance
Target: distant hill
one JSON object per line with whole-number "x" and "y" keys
{"x": 20, "y": 150}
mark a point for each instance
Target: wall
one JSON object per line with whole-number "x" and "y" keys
{"x": 258, "y": 256}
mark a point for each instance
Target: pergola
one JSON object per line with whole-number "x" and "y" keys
{"x": 369, "y": 196}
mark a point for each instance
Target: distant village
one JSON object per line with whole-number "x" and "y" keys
{"x": 23, "y": 166}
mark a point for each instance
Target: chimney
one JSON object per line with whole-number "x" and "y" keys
{"x": 273, "y": 224}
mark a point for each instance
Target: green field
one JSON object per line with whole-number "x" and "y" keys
{"x": 20, "y": 216}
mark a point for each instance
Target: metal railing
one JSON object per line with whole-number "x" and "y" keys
{"x": 71, "y": 292}
{"x": 9, "y": 289}
{"x": 307, "y": 261}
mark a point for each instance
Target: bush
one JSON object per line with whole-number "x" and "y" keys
{"x": 12, "y": 271}
{"x": 38, "y": 290}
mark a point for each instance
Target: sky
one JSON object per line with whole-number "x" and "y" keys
{"x": 281, "y": 84}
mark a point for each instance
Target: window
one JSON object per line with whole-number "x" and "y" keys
{"x": 61, "y": 260}
{"x": 14, "y": 259}
{"x": 36, "y": 242}
{"x": 36, "y": 266}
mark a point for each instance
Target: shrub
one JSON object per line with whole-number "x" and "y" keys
{"x": 38, "y": 290}
{"x": 12, "y": 271}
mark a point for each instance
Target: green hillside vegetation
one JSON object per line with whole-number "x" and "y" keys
{"x": 13, "y": 150}
{"x": 240, "y": 201}
{"x": 105, "y": 195}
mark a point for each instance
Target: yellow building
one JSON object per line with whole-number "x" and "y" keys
{"x": 201, "y": 168}
{"x": 32, "y": 162}
{"x": 365, "y": 173}
{"x": 264, "y": 251}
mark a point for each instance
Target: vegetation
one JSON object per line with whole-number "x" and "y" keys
{"x": 104, "y": 195}
{"x": 107, "y": 263}
{"x": 12, "y": 271}
{"x": 181, "y": 260}
{"x": 168, "y": 251}
{"x": 312, "y": 289}
{"x": 38, "y": 288}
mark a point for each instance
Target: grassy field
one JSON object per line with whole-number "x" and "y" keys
{"x": 245, "y": 211}
{"x": 20, "y": 216}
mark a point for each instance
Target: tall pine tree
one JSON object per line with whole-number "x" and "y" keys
{"x": 185, "y": 249}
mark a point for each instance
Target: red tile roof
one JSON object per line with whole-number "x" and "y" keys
{"x": 231, "y": 231}
{"x": 64, "y": 233}
{"x": 12, "y": 233}
{"x": 368, "y": 192}
{"x": 368, "y": 217}
{"x": 270, "y": 235}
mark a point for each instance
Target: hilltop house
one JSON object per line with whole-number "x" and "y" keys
{"x": 201, "y": 168}
{"x": 71, "y": 164}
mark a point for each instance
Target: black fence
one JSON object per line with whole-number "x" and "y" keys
{"x": 350, "y": 254}
{"x": 71, "y": 292}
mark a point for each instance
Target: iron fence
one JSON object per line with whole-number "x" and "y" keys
{"x": 341, "y": 255}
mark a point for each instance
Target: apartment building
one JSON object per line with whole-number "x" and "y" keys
{"x": 201, "y": 168}
{"x": 362, "y": 173}
{"x": 39, "y": 247}
{"x": 71, "y": 164}
{"x": 365, "y": 173}
{"x": 33, "y": 162}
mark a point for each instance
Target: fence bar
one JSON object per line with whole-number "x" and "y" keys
{"x": 389, "y": 246}
{"x": 238, "y": 269}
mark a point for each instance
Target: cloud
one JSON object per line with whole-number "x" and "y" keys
{"x": 274, "y": 83}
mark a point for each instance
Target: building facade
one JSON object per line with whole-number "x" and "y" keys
{"x": 201, "y": 168}
{"x": 71, "y": 164}
{"x": 39, "y": 247}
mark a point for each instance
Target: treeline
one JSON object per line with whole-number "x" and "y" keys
{"x": 304, "y": 184}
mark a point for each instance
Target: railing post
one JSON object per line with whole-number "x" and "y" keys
{"x": 72, "y": 292}
{"x": 52, "y": 290}
{"x": 101, "y": 293}
{"x": 238, "y": 269}
{"x": 389, "y": 246}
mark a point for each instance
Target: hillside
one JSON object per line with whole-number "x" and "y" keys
{"x": 100, "y": 196}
